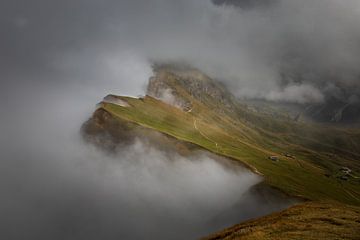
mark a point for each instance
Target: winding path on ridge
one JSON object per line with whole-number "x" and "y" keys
{"x": 217, "y": 146}
{"x": 202, "y": 134}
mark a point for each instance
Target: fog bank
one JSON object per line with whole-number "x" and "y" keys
{"x": 54, "y": 186}
{"x": 59, "y": 58}
{"x": 280, "y": 50}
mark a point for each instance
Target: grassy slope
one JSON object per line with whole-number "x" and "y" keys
{"x": 303, "y": 176}
{"x": 251, "y": 138}
{"x": 305, "y": 221}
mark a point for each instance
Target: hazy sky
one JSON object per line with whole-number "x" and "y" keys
{"x": 54, "y": 186}
{"x": 283, "y": 50}
{"x": 59, "y": 58}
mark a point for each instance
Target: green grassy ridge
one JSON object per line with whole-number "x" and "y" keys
{"x": 259, "y": 127}
{"x": 300, "y": 177}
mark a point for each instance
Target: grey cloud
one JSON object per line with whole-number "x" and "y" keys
{"x": 299, "y": 93}
{"x": 246, "y": 4}
{"x": 59, "y": 58}
{"x": 260, "y": 49}
{"x": 54, "y": 186}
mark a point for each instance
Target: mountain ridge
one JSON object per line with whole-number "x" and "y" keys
{"x": 251, "y": 138}
{"x": 300, "y": 159}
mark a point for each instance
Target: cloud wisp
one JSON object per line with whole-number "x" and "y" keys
{"x": 55, "y": 186}
{"x": 260, "y": 51}
{"x": 59, "y": 58}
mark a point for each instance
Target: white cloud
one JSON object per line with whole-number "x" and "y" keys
{"x": 297, "y": 93}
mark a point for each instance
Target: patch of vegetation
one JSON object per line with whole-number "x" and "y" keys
{"x": 311, "y": 159}
{"x": 220, "y": 124}
{"x": 303, "y": 176}
{"x": 313, "y": 220}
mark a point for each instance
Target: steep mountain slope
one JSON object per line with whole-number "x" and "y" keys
{"x": 335, "y": 110}
{"x": 311, "y": 161}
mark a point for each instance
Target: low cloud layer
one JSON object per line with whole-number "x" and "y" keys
{"x": 59, "y": 58}
{"x": 55, "y": 186}
{"x": 301, "y": 93}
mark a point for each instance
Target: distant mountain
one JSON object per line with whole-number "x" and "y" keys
{"x": 335, "y": 110}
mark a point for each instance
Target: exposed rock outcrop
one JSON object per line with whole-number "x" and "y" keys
{"x": 115, "y": 100}
{"x": 172, "y": 84}
{"x": 161, "y": 87}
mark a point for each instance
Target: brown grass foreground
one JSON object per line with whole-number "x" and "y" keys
{"x": 311, "y": 220}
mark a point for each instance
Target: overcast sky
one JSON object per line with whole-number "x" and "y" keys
{"x": 59, "y": 58}
{"x": 289, "y": 50}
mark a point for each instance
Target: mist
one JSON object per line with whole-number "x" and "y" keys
{"x": 56, "y": 186}
{"x": 59, "y": 58}
{"x": 260, "y": 49}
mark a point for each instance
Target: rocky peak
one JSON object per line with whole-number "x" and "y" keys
{"x": 178, "y": 85}
{"x": 161, "y": 86}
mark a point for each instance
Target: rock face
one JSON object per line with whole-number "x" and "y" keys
{"x": 106, "y": 132}
{"x": 179, "y": 86}
{"x": 115, "y": 100}
{"x": 160, "y": 87}
{"x": 169, "y": 84}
